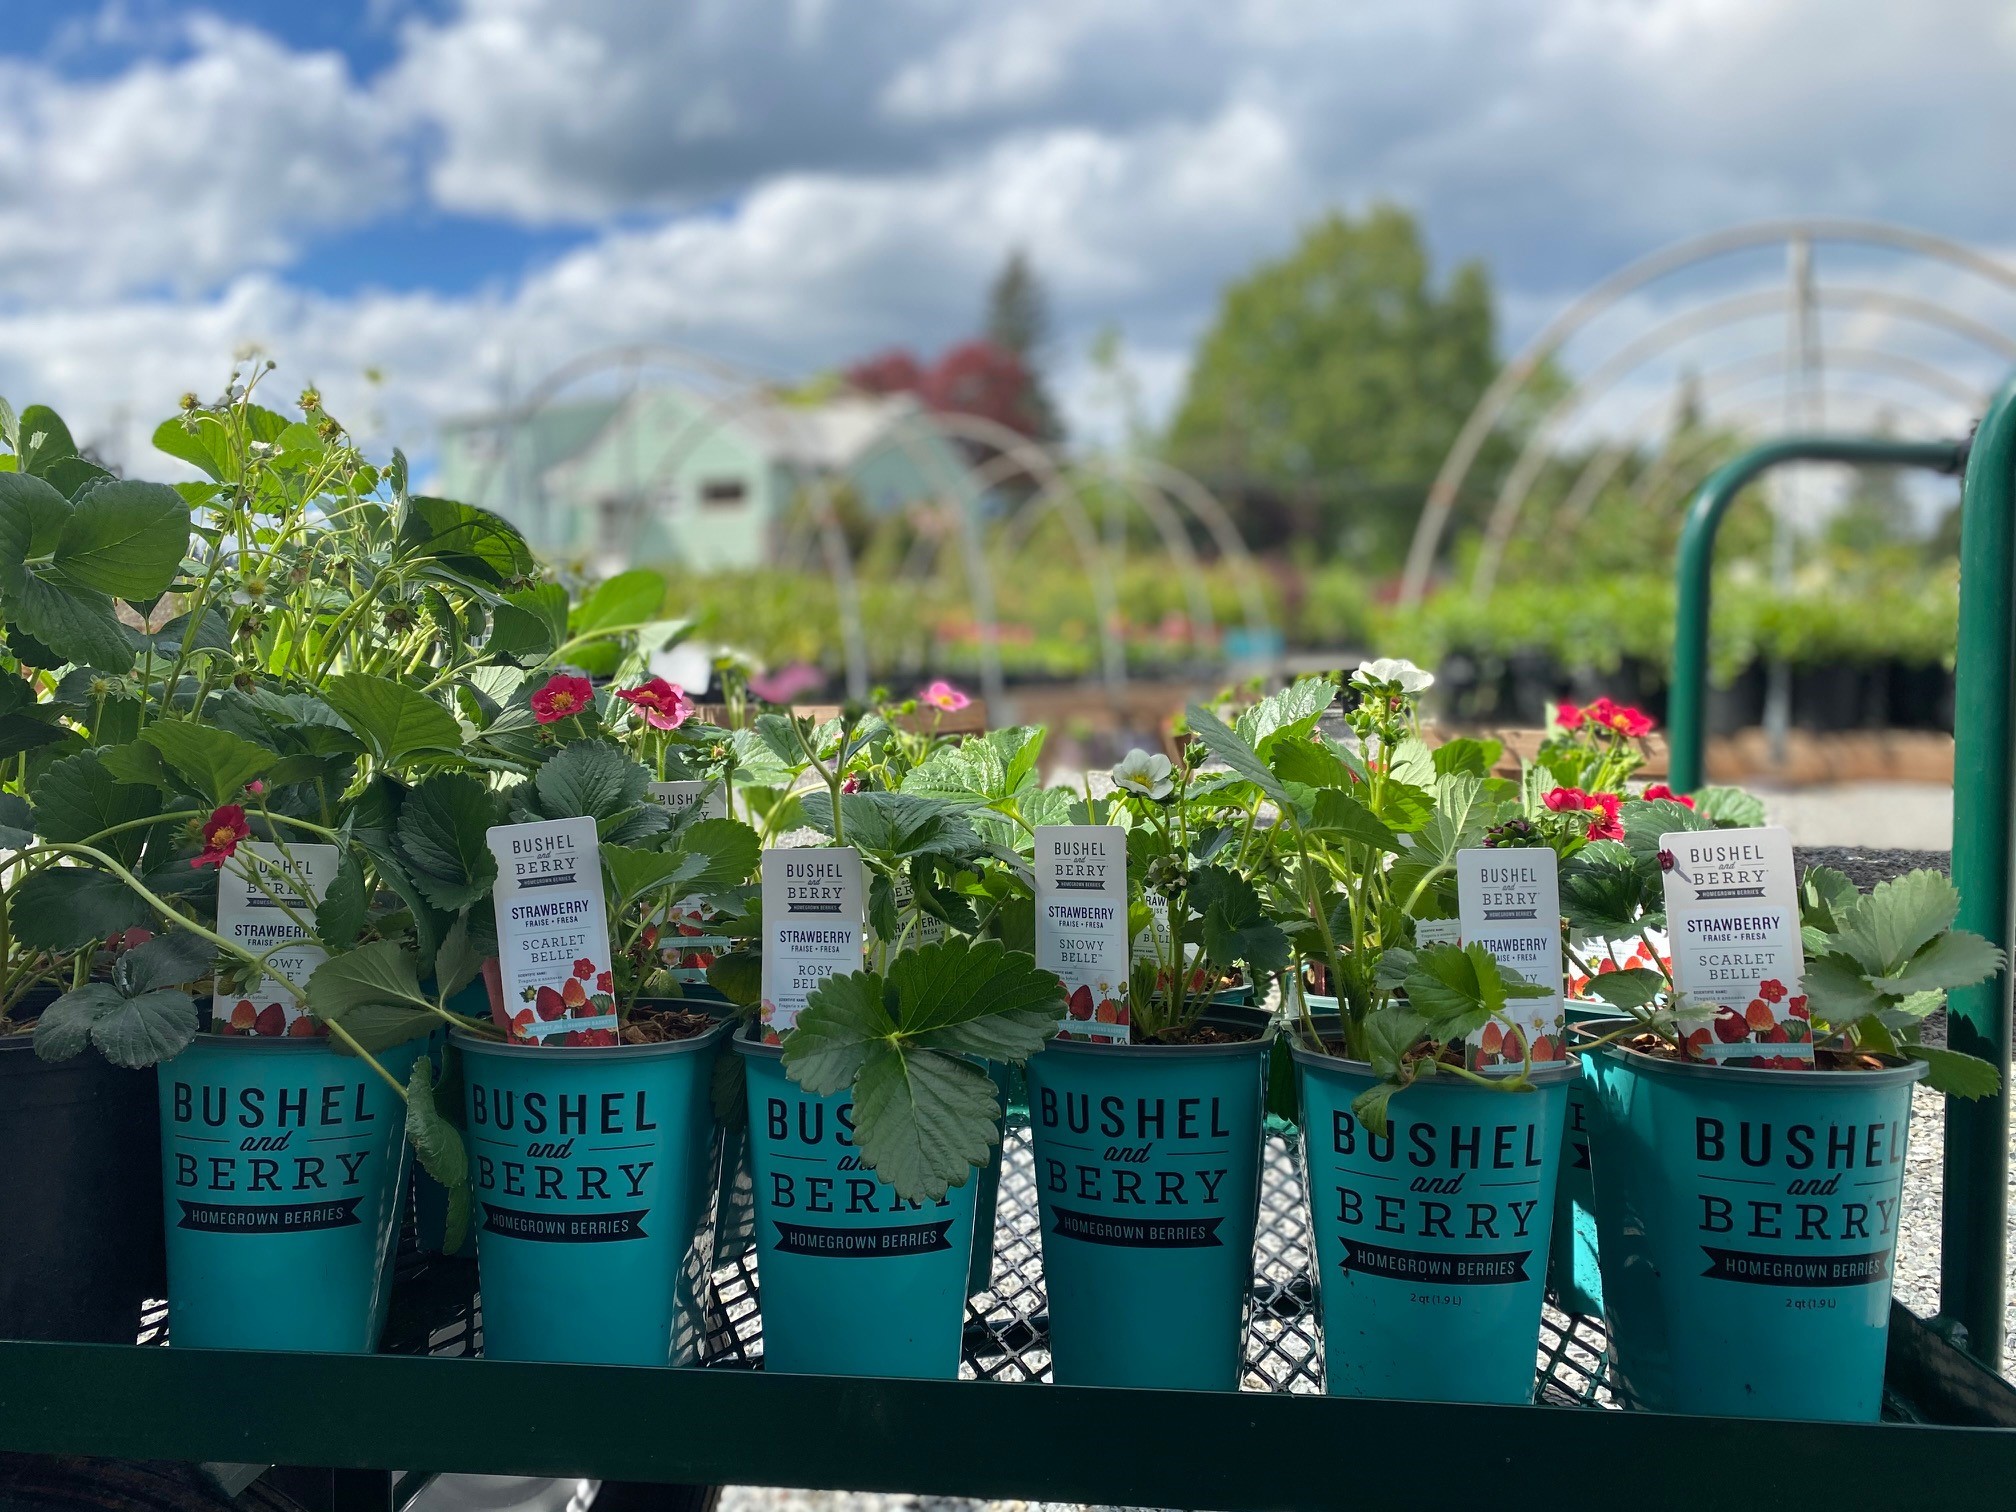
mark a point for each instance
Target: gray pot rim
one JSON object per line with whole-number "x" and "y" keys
{"x": 578, "y": 1054}
{"x": 1902, "y": 1072}
{"x": 1541, "y": 1076}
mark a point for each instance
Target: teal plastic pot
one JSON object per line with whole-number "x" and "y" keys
{"x": 854, "y": 1279}
{"x": 593, "y": 1173}
{"x": 283, "y": 1177}
{"x": 1148, "y": 1179}
{"x": 1431, "y": 1241}
{"x": 1574, "y": 1274}
{"x": 1748, "y": 1230}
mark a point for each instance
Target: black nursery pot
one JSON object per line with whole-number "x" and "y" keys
{"x": 80, "y": 1194}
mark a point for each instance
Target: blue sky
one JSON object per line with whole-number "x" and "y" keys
{"x": 421, "y": 204}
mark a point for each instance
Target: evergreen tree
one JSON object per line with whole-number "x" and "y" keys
{"x": 1018, "y": 322}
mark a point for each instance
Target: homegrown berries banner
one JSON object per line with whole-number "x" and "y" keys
{"x": 553, "y": 932}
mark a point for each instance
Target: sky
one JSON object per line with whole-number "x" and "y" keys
{"x": 423, "y": 205}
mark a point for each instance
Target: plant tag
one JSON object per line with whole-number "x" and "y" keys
{"x": 914, "y": 927}
{"x": 1081, "y": 925}
{"x": 553, "y": 932}
{"x": 814, "y": 924}
{"x": 1437, "y": 932}
{"x": 686, "y": 947}
{"x": 1509, "y": 901}
{"x": 251, "y": 889}
{"x": 1732, "y": 915}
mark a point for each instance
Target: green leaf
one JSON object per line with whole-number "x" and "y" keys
{"x": 470, "y": 542}
{"x": 1602, "y": 892}
{"x": 437, "y": 1143}
{"x": 923, "y": 1119}
{"x": 65, "y": 907}
{"x": 339, "y": 919}
{"x": 1225, "y": 745}
{"x": 175, "y": 959}
{"x": 1729, "y": 807}
{"x": 457, "y": 961}
{"x": 976, "y": 997}
{"x": 1286, "y": 716}
{"x": 75, "y": 624}
{"x": 205, "y": 446}
{"x": 32, "y": 515}
{"x": 77, "y": 798}
{"x": 841, "y": 1021}
{"x": 531, "y": 623}
{"x": 1413, "y": 763}
{"x": 1838, "y": 989}
{"x": 213, "y": 761}
{"x": 1370, "y": 1106}
{"x": 1635, "y": 988}
{"x": 64, "y": 1029}
{"x": 897, "y": 826}
{"x": 1888, "y": 926}
{"x": 1956, "y": 1074}
{"x": 1958, "y": 958}
{"x": 1340, "y": 819}
{"x": 1237, "y": 927}
{"x": 44, "y": 439}
{"x": 373, "y": 992}
{"x": 629, "y": 598}
{"x": 146, "y": 1030}
{"x": 1390, "y": 1033}
{"x": 738, "y": 976}
{"x": 1823, "y": 894}
{"x": 1458, "y": 988}
{"x": 125, "y": 538}
{"x": 443, "y": 835}
{"x": 393, "y": 720}
{"x": 17, "y": 823}
{"x": 593, "y": 779}
{"x": 1466, "y": 755}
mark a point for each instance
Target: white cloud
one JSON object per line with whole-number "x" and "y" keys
{"x": 180, "y": 174}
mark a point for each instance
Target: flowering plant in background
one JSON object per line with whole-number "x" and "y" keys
{"x": 943, "y": 696}
{"x": 1596, "y": 746}
{"x": 662, "y": 705}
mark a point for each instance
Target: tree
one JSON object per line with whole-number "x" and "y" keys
{"x": 1338, "y": 377}
{"x": 1018, "y": 321}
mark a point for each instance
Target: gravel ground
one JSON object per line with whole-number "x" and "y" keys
{"x": 1917, "y": 1279}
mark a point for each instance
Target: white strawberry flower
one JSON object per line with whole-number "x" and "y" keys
{"x": 1389, "y": 670}
{"x": 1145, "y": 774}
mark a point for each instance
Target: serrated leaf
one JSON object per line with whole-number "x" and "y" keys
{"x": 125, "y": 538}
{"x": 393, "y": 720}
{"x": 1955, "y": 1074}
{"x": 174, "y": 959}
{"x": 531, "y": 623}
{"x": 339, "y": 918}
{"x": 1729, "y": 807}
{"x": 1237, "y": 928}
{"x": 592, "y": 779}
{"x": 1886, "y": 927}
{"x": 1390, "y": 1033}
{"x": 457, "y": 961}
{"x": 1226, "y": 745}
{"x": 1465, "y": 755}
{"x": 629, "y": 598}
{"x": 1287, "y": 716}
{"x": 738, "y": 976}
{"x": 1370, "y": 1107}
{"x": 1838, "y": 989}
{"x": 43, "y": 439}
{"x": 437, "y": 1143}
{"x": 1340, "y": 819}
{"x": 373, "y": 992}
{"x": 829, "y": 1044}
{"x": 65, "y": 907}
{"x": 77, "y": 798}
{"x": 211, "y": 760}
{"x": 923, "y": 1119}
{"x": 64, "y": 1028}
{"x": 443, "y": 835}
{"x": 976, "y": 997}
{"x": 1959, "y": 958}
{"x": 75, "y": 624}
{"x": 1635, "y": 988}
{"x": 896, "y": 827}
{"x": 1823, "y": 893}
{"x": 17, "y": 824}
{"x": 1602, "y": 894}
{"x": 147, "y": 1029}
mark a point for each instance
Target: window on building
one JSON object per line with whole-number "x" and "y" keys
{"x": 723, "y": 493}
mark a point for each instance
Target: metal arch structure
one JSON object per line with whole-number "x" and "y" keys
{"x": 1603, "y": 466}
{"x": 1888, "y": 364}
{"x": 1019, "y": 454}
{"x": 1539, "y": 449}
{"x": 1498, "y": 396}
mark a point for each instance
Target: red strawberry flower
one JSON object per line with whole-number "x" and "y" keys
{"x": 564, "y": 696}
{"x": 942, "y": 695}
{"x": 851, "y": 785}
{"x": 1659, "y": 790}
{"x": 1567, "y": 716}
{"x": 664, "y": 705}
{"x": 1604, "y": 826}
{"x": 222, "y": 832}
{"x": 605, "y": 982}
{"x": 1771, "y": 990}
{"x": 1566, "y": 800}
{"x": 584, "y": 968}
